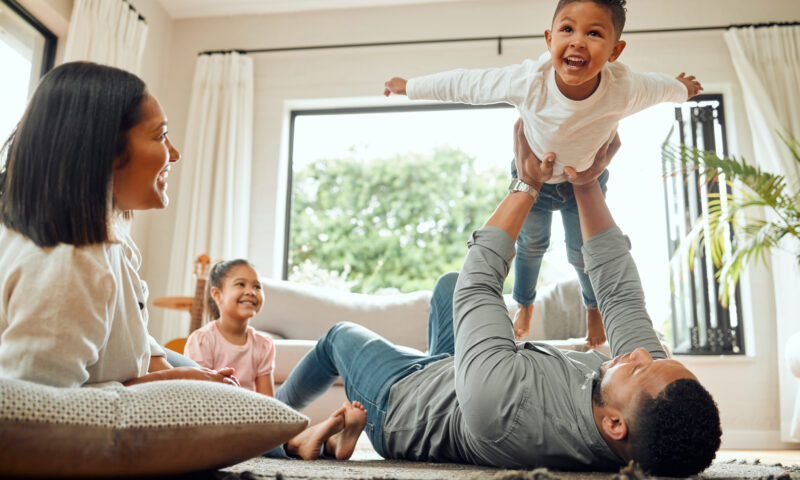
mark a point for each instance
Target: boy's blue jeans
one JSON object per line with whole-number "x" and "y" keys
{"x": 534, "y": 239}
{"x": 369, "y": 364}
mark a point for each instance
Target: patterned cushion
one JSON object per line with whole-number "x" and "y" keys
{"x": 155, "y": 428}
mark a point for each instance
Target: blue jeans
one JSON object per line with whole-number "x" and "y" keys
{"x": 369, "y": 364}
{"x": 534, "y": 239}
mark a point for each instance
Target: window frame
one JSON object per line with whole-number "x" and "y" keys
{"x": 345, "y": 111}
{"x": 50, "y": 39}
{"x": 722, "y": 338}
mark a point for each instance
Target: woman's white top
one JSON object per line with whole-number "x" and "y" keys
{"x": 72, "y": 316}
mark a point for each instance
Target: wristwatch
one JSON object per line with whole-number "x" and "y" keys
{"x": 518, "y": 185}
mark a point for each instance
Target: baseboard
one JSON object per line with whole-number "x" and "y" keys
{"x": 755, "y": 440}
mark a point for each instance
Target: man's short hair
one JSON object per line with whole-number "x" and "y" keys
{"x": 616, "y": 9}
{"x": 677, "y": 433}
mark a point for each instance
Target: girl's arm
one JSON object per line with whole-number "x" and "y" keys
{"x": 265, "y": 384}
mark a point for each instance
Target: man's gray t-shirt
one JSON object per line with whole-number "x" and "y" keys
{"x": 517, "y": 404}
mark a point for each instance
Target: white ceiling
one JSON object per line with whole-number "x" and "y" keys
{"x": 217, "y": 8}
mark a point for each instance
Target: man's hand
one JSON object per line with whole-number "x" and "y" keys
{"x": 692, "y": 85}
{"x": 601, "y": 160}
{"x": 396, "y": 85}
{"x": 529, "y": 169}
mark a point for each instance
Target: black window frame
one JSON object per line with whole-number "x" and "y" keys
{"x": 704, "y": 337}
{"x": 50, "y": 39}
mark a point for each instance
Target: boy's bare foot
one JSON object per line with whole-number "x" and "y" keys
{"x": 307, "y": 444}
{"x": 595, "y": 333}
{"x": 343, "y": 444}
{"x": 522, "y": 321}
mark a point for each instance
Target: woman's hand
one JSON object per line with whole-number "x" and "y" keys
{"x": 224, "y": 375}
{"x": 529, "y": 168}
{"x": 601, "y": 160}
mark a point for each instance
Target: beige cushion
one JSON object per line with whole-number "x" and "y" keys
{"x": 156, "y": 428}
{"x": 299, "y": 311}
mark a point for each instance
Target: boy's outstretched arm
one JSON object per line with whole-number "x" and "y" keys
{"x": 691, "y": 83}
{"x": 395, "y": 85}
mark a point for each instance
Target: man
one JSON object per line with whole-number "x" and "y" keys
{"x": 480, "y": 397}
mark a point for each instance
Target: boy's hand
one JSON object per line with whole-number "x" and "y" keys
{"x": 396, "y": 85}
{"x": 692, "y": 85}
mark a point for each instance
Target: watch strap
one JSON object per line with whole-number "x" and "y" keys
{"x": 518, "y": 185}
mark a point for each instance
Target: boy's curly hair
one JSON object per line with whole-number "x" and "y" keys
{"x": 616, "y": 8}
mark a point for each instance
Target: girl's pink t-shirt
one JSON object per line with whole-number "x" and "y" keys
{"x": 256, "y": 358}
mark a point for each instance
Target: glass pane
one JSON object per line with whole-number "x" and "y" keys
{"x": 322, "y": 230}
{"x": 21, "y": 50}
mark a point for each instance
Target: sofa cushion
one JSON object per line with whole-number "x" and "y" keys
{"x": 300, "y": 311}
{"x": 156, "y": 428}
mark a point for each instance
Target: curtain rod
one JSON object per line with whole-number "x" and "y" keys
{"x": 498, "y": 39}
{"x": 135, "y": 11}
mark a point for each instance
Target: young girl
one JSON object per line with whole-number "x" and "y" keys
{"x": 233, "y": 297}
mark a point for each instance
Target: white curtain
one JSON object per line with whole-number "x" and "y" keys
{"x": 767, "y": 62}
{"x": 108, "y": 32}
{"x": 213, "y": 197}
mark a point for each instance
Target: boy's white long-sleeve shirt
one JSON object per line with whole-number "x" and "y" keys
{"x": 573, "y": 129}
{"x": 72, "y": 316}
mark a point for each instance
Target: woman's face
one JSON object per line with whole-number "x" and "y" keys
{"x": 140, "y": 174}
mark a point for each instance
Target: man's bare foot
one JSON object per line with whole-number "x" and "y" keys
{"x": 595, "y": 334}
{"x": 522, "y": 321}
{"x": 343, "y": 444}
{"x": 307, "y": 444}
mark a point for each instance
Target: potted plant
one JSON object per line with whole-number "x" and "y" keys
{"x": 754, "y": 231}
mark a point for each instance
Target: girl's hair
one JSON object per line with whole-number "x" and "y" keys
{"x": 56, "y": 180}
{"x": 218, "y": 272}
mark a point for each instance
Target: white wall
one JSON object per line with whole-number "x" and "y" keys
{"x": 155, "y": 72}
{"x": 746, "y": 388}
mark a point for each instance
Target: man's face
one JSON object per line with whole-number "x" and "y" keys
{"x": 624, "y": 377}
{"x": 582, "y": 40}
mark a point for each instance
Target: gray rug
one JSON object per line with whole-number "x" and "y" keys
{"x": 366, "y": 464}
{"x": 267, "y": 468}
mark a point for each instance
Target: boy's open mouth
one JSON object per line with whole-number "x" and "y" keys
{"x": 575, "y": 61}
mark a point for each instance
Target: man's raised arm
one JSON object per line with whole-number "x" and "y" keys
{"x": 486, "y": 358}
{"x": 610, "y": 266}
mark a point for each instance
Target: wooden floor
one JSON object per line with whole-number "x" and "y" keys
{"x": 784, "y": 457}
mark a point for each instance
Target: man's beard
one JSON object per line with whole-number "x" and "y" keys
{"x": 597, "y": 394}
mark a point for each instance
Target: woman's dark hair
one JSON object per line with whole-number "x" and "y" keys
{"x": 218, "y": 272}
{"x": 56, "y": 181}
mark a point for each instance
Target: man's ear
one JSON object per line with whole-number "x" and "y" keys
{"x": 548, "y": 37}
{"x": 617, "y": 50}
{"x": 614, "y": 425}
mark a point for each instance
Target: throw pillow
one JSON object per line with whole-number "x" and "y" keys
{"x": 156, "y": 428}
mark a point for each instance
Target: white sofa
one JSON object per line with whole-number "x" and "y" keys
{"x": 296, "y": 315}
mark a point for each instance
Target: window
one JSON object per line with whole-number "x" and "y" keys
{"x": 356, "y": 183}
{"x": 700, "y": 325}
{"x": 27, "y": 51}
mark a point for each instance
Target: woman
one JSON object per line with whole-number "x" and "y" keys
{"x": 83, "y": 156}
{"x": 91, "y": 147}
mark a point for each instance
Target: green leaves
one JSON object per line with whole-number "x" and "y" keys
{"x": 754, "y": 195}
{"x": 398, "y": 222}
